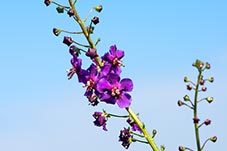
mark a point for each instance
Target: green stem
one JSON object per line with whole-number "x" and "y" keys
{"x": 144, "y": 130}
{"x": 81, "y": 24}
{"x": 137, "y": 140}
{"x": 120, "y": 116}
{"x": 196, "y": 126}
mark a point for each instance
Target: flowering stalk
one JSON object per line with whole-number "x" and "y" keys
{"x": 196, "y": 126}
{"x": 143, "y": 128}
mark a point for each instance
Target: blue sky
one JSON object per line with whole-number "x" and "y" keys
{"x": 41, "y": 110}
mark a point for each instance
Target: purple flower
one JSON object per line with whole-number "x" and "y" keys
{"x": 67, "y": 40}
{"x": 114, "y": 57}
{"x": 125, "y": 137}
{"x": 100, "y": 120}
{"x": 91, "y": 80}
{"x": 113, "y": 90}
{"x": 133, "y": 124}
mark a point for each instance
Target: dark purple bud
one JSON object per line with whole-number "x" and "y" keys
{"x": 93, "y": 99}
{"x": 189, "y": 87}
{"x": 73, "y": 50}
{"x": 67, "y": 40}
{"x": 207, "y": 122}
{"x": 95, "y": 20}
{"x": 70, "y": 12}
{"x": 60, "y": 9}
{"x": 213, "y": 139}
{"x": 181, "y": 148}
{"x": 47, "y": 2}
{"x": 98, "y": 8}
{"x": 201, "y": 82}
{"x": 196, "y": 120}
{"x": 92, "y": 53}
{"x": 56, "y": 31}
{"x": 204, "y": 88}
{"x": 207, "y": 65}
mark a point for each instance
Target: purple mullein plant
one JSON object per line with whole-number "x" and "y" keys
{"x": 114, "y": 57}
{"x": 113, "y": 90}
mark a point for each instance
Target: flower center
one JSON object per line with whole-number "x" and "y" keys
{"x": 90, "y": 84}
{"x": 117, "y": 62}
{"x": 115, "y": 92}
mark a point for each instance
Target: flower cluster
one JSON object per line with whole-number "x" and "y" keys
{"x": 103, "y": 83}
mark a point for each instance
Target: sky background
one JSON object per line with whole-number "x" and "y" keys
{"x": 41, "y": 110}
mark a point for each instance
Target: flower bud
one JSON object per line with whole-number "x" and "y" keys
{"x": 98, "y": 8}
{"x": 154, "y": 132}
{"x": 70, "y": 12}
{"x": 60, "y": 9}
{"x": 213, "y": 139}
{"x": 211, "y": 79}
{"x": 67, "y": 40}
{"x": 56, "y": 31}
{"x": 92, "y": 53}
{"x": 204, "y": 88}
{"x": 186, "y": 79}
{"x": 189, "y": 87}
{"x": 196, "y": 120}
{"x": 95, "y": 20}
{"x": 186, "y": 98}
{"x": 207, "y": 122}
{"x": 180, "y": 103}
{"x": 198, "y": 64}
{"x": 163, "y": 147}
{"x": 201, "y": 82}
{"x": 207, "y": 65}
{"x": 73, "y": 50}
{"x": 209, "y": 99}
{"x": 47, "y": 2}
{"x": 181, "y": 148}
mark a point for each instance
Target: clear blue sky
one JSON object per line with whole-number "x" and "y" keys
{"x": 40, "y": 110}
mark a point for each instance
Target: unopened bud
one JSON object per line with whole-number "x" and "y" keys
{"x": 47, "y": 2}
{"x": 207, "y": 122}
{"x": 182, "y": 148}
{"x": 186, "y": 98}
{"x": 207, "y": 65}
{"x": 67, "y": 40}
{"x": 213, "y": 139}
{"x": 209, "y": 99}
{"x": 186, "y": 79}
{"x": 56, "y": 31}
{"x": 70, "y": 12}
{"x": 196, "y": 120}
{"x": 189, "y": 87}
{"x": 95, "y": 20}
{"x": 211, "y": 79}
{"x": 60, "y": 9}
{"x": 204, "y": 88}
{"x": 92, "y": 53}
{"x": 180, "y": 103}
{"x": 98, "y": 8}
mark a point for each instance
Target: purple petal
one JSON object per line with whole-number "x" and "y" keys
{"x": 117, "y": 70}
{"x": 113, "y": 78}
{"x": 110, "y": 100}
{"x": 126, "y": 85}
{"x": 113, "y": 50}
{"x": 120, "y": 54}
{"x": 124, "y": 101}
{"x": 105, "y": 70}
{"x": 103, "y": 85}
